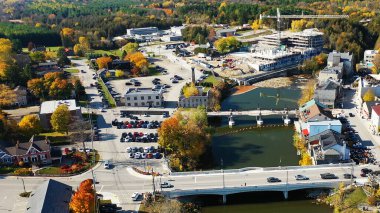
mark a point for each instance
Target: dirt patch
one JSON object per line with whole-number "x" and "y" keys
{"x": 243, "y": 89}
{"x": 275, "y": 82}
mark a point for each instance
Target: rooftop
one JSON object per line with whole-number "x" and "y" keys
{"x": 376, "y": 109}
{"x": 143, "y": 91}
{"x": 50, "y": 197}
{"x": 23, "y": 148}
{"x": 48, "y": 107}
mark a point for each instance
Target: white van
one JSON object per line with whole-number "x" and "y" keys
{"x": 106, "y": 164}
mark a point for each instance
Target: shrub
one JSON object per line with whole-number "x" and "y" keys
{"x": 25, "y": 194}
{"x": 23, "y": 171}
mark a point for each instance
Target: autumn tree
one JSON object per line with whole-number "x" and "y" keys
{"x": 376, "y": 62}
{"x": 5, "y": 56}
{"x": 37, "y": 56}
{"x": 130, "y": 47}
{"x": 139, "y": 61}
{"x": 256, "y": 24}
{"x": 80, "y": 131}
{"x": 186, "y": 137}
{"x": 190, "y": 90}
{"x": 67, "y": 36}
{"x": 369, "y": 96}
{"x": 103, "y": 62}
{"x": 83, "y": 199}
{"x": 36, "y": 87}
{"x": 60, "y": 89}
{"x": 307, "y": 93}
{"x": 119, "y": 73}
{"x": 299, "y": 25}
{"x": 61, "y": 118}
{"x": 226, "y": 45}
{"x": 7, "y": 96}
{"x": 30, "y": 125}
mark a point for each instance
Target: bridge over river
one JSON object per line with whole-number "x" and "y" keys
{"x": 226, "y": 182}
{"x": 252, "y": 113}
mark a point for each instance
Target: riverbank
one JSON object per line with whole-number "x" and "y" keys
{"x": 275, "y": 82}
{"x": 242, "y": 89}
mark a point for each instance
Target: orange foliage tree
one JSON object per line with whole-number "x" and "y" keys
{"x": 103, "y": 62}
{"x": 139, "y": 61}
{"x": 83, "y": 199}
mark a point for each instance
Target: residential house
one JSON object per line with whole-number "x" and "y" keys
{"x": 375, "y": 119}
{"x": 43, "y": 68}
{"x": 366, "y": 109}
{"x": 328, "y": 93}
{"x": 50, "y": 197}
{"x": 48, "y": 107}
{"x": 144, "y": 97}
{"x": 34, "y": 151}
{"x": 328, "y": 147}
{"x": 21, "y": 96}
{"x": 202, "y": 99}
{"x": 313, "y": 128}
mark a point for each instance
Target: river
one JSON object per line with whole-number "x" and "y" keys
{"x": 259, "y": 147}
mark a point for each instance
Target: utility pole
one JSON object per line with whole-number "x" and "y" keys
{"x": 23, "y": 184}
{"x": 154, "y": 185}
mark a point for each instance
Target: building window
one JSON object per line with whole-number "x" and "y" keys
{"x": 128, "y": 98}
{"x": 157, "y": 103}
{"x": 135, "y": 104}
{"x": 25, "y": 159}
{"x": 129, "y": 104}
{"x": 142, "y": 104}
{"x": 43, "y": 157}
{"x": 157, "y": 97}
{"x": 149, "y": 97}
{"x": 135, "y": 98}
{"x": 142, "y": 97}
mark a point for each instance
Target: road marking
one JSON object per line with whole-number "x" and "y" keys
{"x": 101, "y": 188}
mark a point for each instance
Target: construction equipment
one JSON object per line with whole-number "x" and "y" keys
{"x": 302, "y": 16}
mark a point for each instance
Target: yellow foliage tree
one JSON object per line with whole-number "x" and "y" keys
{"x": 5, "y": 46}
{"x": 50, "y": 55}
{"x": 7, "y": 95}
{"x": 84, "y": 43}
{"x": 103, "y": 62}
{"x": 305, "y": 159}
{"x": 138, "y": 59}
{"x": 30, "y": 125}
{"x": 190, "y": 90}
{"x": 119, "y": 73}
{"x": 256, "y": 24}
{"x": 307, "y": 93}
{"x": 369, "y": 96}
{"x": 298, "y": 25}
{"x": 60, "y": 119}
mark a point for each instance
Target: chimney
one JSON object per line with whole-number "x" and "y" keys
{"x": 193, "y": 75}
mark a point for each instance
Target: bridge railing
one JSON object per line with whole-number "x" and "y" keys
{"x": 284, "y": 168}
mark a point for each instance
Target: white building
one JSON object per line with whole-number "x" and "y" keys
{"x": 369, "y": 55}
{"x": 142, "y": 31}
{"x": 375, "y": 118}
{"x": 144, "y": 97}
{"x": 202, "y": 99}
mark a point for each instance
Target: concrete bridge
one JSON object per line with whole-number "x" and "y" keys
{"x": 227, "y": 182}
{"x": 252, "y": 113}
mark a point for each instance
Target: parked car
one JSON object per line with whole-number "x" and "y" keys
{"x": 351, "y": 115}
{"x": 349, "y": 176}
{"x": 129, "y": 149}
{"x": 136, "y": 196}
{"x": 328, "y": 176}
{"x": 107, "y": 164}
{"x": 301, "y": 177}
{"x": 273, "y": 180}
{"x": 137, "y": 155}
{"x": 128, "y": 83}
{"x": 166, "y": 185}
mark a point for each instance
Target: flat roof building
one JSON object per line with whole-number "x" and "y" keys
{"x": 202, "y": 99}
{"x": 142, "y": 31}
{"x": 48, "y": 107}
{"x": 144, "y": 97}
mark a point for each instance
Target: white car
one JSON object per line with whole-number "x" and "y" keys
{"x": 137, "y": 155}
{"x": 301, "y": 177}
{"x": 102, "y": 110}
{"x": 107, "y": 164}
{"x": 136, "y": 196}
{"x": 143, "y": 155}
{"x": 146, "y": 149}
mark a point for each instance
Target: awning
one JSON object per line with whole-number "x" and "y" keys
{"x": 305, "y": 132}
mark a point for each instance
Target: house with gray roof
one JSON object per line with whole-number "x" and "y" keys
{"x": 328, "y": 147}
{"x": 328, "y": 93}
{"x": 50, "y": 197}
{"x": 33, "y": 152}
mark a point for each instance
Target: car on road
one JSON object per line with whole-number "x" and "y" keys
{"x": 348, "y": 176}
{"x": 328, "y": 176}
{"x": 129, "y": 150}
{"x": 166, "y": 185}
{"x": 128, "y": 83}
{"x": 351, "y": 115}
{"x": 174, "y": 81}
{"x": 131, "y": 155}
{"x": 136, "y": 196}
{"x": 102, "y": 110}
{"x": 273, "y": 180}
{"x": 137, "y": 84}
{"x": 365, "y": 172}
{"x": 301, "y": 177}
{"x": 133, "y": 80}
{"x": 107, "y": 164}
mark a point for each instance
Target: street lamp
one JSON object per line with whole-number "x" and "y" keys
{"x": 221, "y": 164}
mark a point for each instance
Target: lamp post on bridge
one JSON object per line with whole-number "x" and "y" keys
{"x": 221, "y": 164}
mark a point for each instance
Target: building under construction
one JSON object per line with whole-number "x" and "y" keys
{"x": 275, "y": 53}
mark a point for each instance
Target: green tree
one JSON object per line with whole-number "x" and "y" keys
{"x": 60, "y": 119}
{"x": 190, "y": 90}
{"x": 37, "y": 57}
{"x": 130, "y": 47}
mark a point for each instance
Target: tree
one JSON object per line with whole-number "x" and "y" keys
{"x": 5, "y": 56}
{"x": 80, "y": 131}
{"x": 103, "y": 62}
{"x": 226, "y": 45}
{"x": 78, "y": 50}
{"x": 30, "y": 125}
{"x": 7, "y": 96}
{"x": 36, "y": 87}
{"x": 130, "y": 47}
{"x": 138, "y": 59}
{"x": 37, "y": 57}
{"x": 67, "y": 36}
{"x": 369, "y": 95}
{"x": 119, "y": 73}
{"x": 84, "y": 43}
{"x": 190, "y": 90}
{"x": 256, "y": 24}
{"x": 30, "y": 46}
{"x": 307, "y": 93}
{"x": 305, "y": 159}
{"x": 79, "y": 89}
{"x": 83, "y": 199}
{"x": 61, "y": 118}
{"x": 60, "y": 89}
{"x": 376, "y": 62}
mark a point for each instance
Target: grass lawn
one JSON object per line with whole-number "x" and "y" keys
{"x": 107, "y": 94}
{"x": 83, "y": 103}
{"x": 212, "y": 79}
{"x": 72, "y": 70}
{"x": 116, "y": 52}
{"x": 56, "y": 138}
{"x": 50, "y": 171}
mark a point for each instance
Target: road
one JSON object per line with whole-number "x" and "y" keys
{"x": 252, "y": 113}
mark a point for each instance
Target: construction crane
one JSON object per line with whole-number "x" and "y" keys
{"x": 302, "y": 16}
